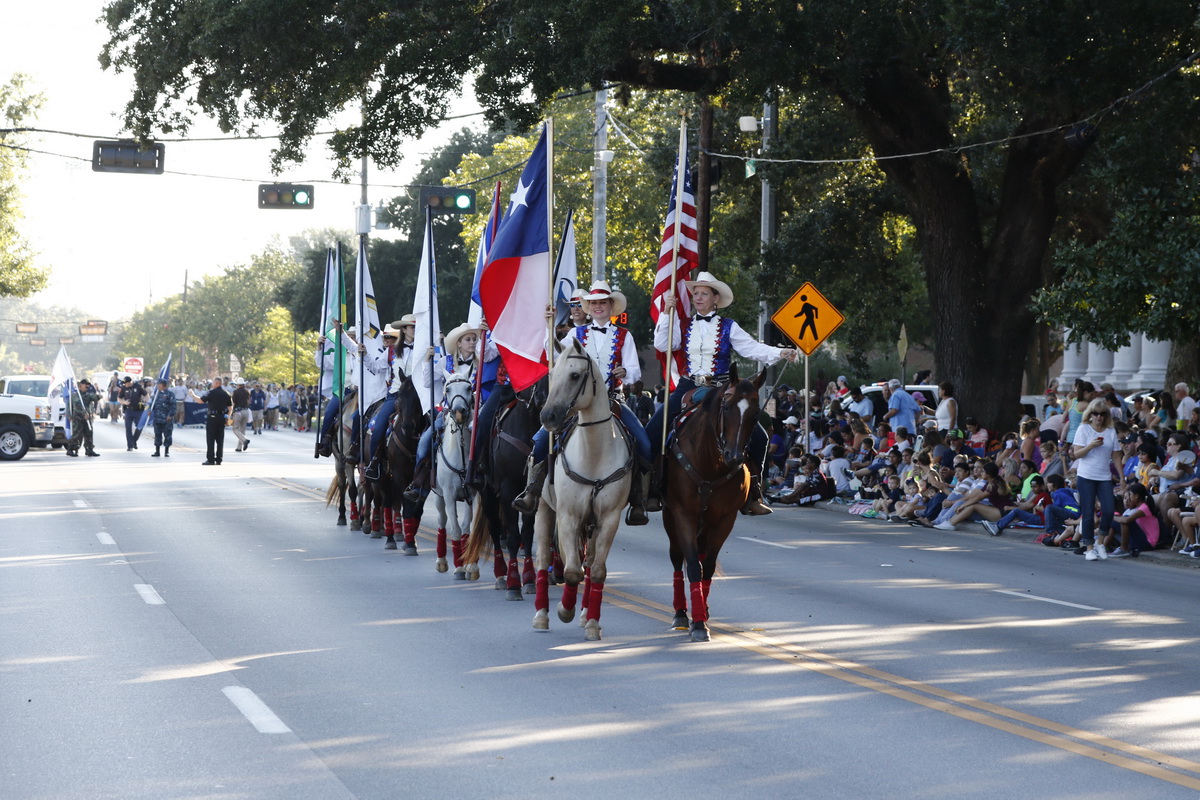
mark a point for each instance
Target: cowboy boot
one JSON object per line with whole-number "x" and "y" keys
{"x": 325, "y": 448}
{"x": 636, "y": 514}
{"x": 754, "y": 501}
{"x": 420, "y": 482}
{"x": 372, "y": 472}
{"x": 527, "y": 501}
{"x": 653, "y": 502}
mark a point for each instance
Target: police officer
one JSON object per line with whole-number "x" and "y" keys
{"x": 132, "y": 398}
{"x": 219, "y": 403}
{"x": 162, "y": 416}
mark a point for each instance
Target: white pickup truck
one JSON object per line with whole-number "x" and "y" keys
{"x": 26, "y": 418}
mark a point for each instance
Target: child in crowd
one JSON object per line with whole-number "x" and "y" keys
{"x": 810, "y": 485}
{"x": 1139, "y": 523}
{"x": 837, "y": 469}
{"x": 1063, "y": 507}
{"x": 892, "y": 494}
{"x": 1029, "y": 511}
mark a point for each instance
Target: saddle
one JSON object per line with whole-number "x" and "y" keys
{"x": 498, "y": 432}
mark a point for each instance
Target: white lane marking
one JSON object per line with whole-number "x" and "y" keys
{"x": 79, "y": 503}
{"x": 1046, "y": 599}
{"x": 773, "y": 544}
{"x": 255, "y": 710}
{"x": 105, "y": 538}
{"x": 148, "y": 594}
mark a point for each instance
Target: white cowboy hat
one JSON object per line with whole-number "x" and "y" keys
{"x": 407, "y": 319}
{"x": 239, "y": 381}
{"x": 391, "y": 329}
{"x": 602, "y": 291}
{"x": 724, "y": 293}
{"x": 453, "y": 336}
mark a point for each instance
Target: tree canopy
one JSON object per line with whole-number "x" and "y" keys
{"x": 19, "y": 275}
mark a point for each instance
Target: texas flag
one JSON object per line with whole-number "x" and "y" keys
{"x": 515, "y": 284}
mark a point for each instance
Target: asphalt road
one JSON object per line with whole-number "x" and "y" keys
{"x": 169, "y": 630}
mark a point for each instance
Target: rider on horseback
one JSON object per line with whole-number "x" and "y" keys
{"x": 460, "y": 361}
{"x": 333, "y": 409}
{"x": 612, "y": 347}
{"x": 397, "y": 359}
{"x": 706, "y": 342}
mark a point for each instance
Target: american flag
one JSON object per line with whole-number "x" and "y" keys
{"x": 688, "y": 257}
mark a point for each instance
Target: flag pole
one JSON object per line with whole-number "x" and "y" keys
{"x": 322, "y": 327}
{"x": 360, "y": 274}
{"x": 550, "y": 238}
{"x": 341, "y": 268}
{"x": 680, "y": 164}
{"x": 432, "y": 332}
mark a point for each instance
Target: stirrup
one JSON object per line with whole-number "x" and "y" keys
{"x": 372, "y": 471}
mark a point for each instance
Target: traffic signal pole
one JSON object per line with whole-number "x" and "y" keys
{"x": 600, "y": 190}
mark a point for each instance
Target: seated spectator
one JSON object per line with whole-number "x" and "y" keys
{"x": 809, "y": 487}
{"x": 893, "y": 493}
{"x": 970, "y": 483}
{"x": 1027, "y": 471}
{"x": 1030, "y": 429}
{"x": 1052, "y": 463}
{"x": 860, "y": 431}
{"x": 955, "y": 446}
{"x": 903, "y": 439}
{"x": 1174, "y": 476}
{"x": 977, "y": 436}
{"x": 986, "y": 502}
{"x": 1143, "y": 463}
{"x": 837, "y": 469}
{"x": 1139, "y": 523}
{"x": 1184, "y": 520}
{"x": 1030, "y": 511}
{"x": 883, "y": 437}
{"x": 1063, "y": 507}
{"x": 1010, "y": 449}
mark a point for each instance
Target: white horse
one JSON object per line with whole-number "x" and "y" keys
{"x": 450, "y": 471}
{"x": 591, "y": 477}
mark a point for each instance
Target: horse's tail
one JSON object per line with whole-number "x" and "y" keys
{"x": 479, "y": 537}
{"x": 332, "y": 493}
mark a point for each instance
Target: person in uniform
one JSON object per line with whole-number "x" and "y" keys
{"x": 241, "y": 413}
{"x": 398, "y": 360}
{"x": 705, "y": 344}
{"x": 132, "y": 398}
{"x": 613, "y": 349}
{"x": 219, "y": 403}
{"x": 162, "y": 416}
{"x": 79, "y": 406}
{"x": 461, "y": 361}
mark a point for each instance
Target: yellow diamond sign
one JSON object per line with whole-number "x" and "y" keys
{"x": 807, "y": 318}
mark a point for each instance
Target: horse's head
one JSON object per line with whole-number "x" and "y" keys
{"x": 534, "y": 397}
{"x": 738, "y": 415}
{"x": 574, "y": 384}
{"x": 459, "y": 397}
{"x": 409, "y": 415}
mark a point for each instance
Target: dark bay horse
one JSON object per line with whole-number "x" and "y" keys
{"x": 706, "y": 484}
{"x": 344, "y": 480}
{"x": 504, "y": 479}
{"x": 408, "y": 423}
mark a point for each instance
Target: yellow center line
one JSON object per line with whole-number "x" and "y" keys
{"x": 1136, "y": 758}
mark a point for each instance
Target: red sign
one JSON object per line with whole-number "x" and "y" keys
{"x": 133, "y": 366}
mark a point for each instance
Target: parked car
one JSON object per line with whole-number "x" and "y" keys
{"x": 25, "y": 418}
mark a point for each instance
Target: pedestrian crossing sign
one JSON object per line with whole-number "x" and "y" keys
{"x": 807, "y": 318}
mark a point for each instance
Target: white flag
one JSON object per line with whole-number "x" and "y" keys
{"x": 566, "y": 279}
{"x": 62, "y": 384}
{"x": 429, "y": 325}
{"x": 366, "y": 318}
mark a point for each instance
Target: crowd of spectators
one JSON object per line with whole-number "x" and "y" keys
{"x": 272, "y": 406}
{"x": 1091, "y": 473}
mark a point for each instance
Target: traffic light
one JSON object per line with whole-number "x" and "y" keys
{"x": 285, "y": 195}
{"x": 128, "y": 156}
{"x": 446, "y": 200}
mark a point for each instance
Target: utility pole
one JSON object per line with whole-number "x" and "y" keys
{"x": 600, "y": 189}
{"x": 767, "y": 215}
{"x": 183, "y": 347}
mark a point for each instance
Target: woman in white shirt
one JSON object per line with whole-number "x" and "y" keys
{"x": 947, "y": 410}
{"x": 1096, "y": 450}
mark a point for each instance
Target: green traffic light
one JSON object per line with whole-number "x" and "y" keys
{"x": 301, "y": 198}
{"x": 463, "y": 201}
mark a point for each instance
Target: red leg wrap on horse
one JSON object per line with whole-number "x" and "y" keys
{"x": 498, "y": 566}
{"x": 569, "y": 594}
{"x": 389, "y": 521}
{"x": 680, "y": 596}
{"x": 410, "y": 529}
{"x": 353, "y": 510}
{"x": 457, "y": 546}
{"x": 586, "y": 595}
{"x": 541, "y": 598}
{"x": 707, "y": 588}
{"x": 514, "y": 575}
{"x": 699, "y": 607}
{"x": 528, "y": 572}
{"x": 595, "y": 599}
{"x": 377, "y": 520}
{"x": 441, "y": 543}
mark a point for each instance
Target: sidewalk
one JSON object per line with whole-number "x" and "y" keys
{"x": 1165, "y": 557}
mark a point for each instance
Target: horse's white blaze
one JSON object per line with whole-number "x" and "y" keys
{"x": 743, "y": 405}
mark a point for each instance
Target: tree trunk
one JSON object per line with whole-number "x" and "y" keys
{"x": 703, "y": 187}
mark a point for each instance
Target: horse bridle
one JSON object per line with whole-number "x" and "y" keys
{"x": 579, "y": 391}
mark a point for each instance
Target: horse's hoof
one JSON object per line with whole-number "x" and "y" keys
{"x": 354, "y": 526}
{"x": 473, "y": 572}
{"x": 460, "y": 574}
{"x": 374, "y": 534}
{"x": 565, "y": 614}
{"x": 680, "y": 623}
{"x": 530, "y": 588}
{"x": 390, "y": 544}
{"x": 514, "y": 594}
{"x": 341, "y": 521}
{"x": 591, "y": 631}
{"x": 699, "y": 632}
{"x": 410, "y": 549}
{"x": 441, "y": 565}
{"x": 541, "y": 620}
{"x": 501, "y": 583}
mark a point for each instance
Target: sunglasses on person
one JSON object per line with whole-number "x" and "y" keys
{"x": 575, "y": 305}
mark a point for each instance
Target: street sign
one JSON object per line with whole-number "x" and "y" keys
{"x": 133, "y": 366}
{"x": 807, "y": 318}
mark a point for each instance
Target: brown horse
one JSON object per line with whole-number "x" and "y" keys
{"x": 706, "y": 483}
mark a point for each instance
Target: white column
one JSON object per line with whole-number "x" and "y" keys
{"x": 1100, "y": 363}
{"x": 1153, "y": 371}
{"x": 1125, "y": 363}
{"x": 1074, "y": 364}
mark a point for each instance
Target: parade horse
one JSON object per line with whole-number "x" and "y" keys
{"x": 396, "y": 473}
{"x": 511, "y": 531}
{"x": 587, "y": 489}
{"x": 450, "y": 463}
{"x": 344, "y": 480}
{"x": 706, "y": 484}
